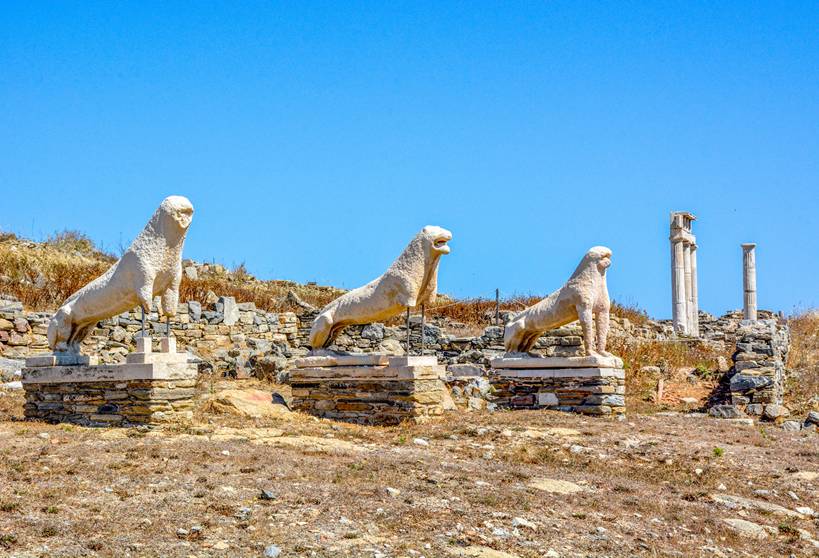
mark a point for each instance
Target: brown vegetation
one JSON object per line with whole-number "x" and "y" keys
{"x": 802, "y": 387}
{"x": 197, "y": 490}
{"x": 43, "y": 275}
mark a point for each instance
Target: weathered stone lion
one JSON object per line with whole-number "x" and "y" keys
{"x": 584, "y": 297}
{"x": 410, "y": 281}
{"x": 151, "y": 266}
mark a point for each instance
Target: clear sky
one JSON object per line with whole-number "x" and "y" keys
{"x": 315, "y": 138}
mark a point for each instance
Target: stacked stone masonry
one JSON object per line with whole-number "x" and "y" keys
{"x": 111, "y": 403}
{"x": 589, "y": 385}
{"x": 758, "y": 373}
{"x": 384, "y": 393}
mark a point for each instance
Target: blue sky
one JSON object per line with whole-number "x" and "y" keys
{"x": 315, "y": 138}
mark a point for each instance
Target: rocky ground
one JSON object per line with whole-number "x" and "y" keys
{"x": 492, "y": 485}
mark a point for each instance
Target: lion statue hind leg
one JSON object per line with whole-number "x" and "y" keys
{"x": 321, "y": 332}
{"x": 59, "y": 330}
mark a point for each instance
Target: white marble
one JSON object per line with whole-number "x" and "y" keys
{"x": 684, "y": 297}
{"x": 584, "y": 297}
{"x": 749, "y": 281}
{"x": 529, "y": 361}
{"x": 152, "y": 266}
{"x": 412, "y": 280}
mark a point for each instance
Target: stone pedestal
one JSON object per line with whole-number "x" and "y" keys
{"x": 149, "y": 388}
{"x": 370, "y": 388}
{"x": 590, "y": 385}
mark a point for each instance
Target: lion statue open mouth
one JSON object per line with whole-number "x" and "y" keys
{"x": 410, "y": 281}
{"x": 151, "y": 266}
{"x": 584, "y": 297}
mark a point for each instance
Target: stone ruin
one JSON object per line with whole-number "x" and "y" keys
{"x": 755, "y": 383}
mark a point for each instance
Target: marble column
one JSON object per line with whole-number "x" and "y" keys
{"x": 749, "y": 280}
{"x": 695, "y": 306}
{"x": 678, "y": 287}
{"x": 689, "y": 302}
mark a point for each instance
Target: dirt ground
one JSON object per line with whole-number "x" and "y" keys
{"x": 499, "y": 485}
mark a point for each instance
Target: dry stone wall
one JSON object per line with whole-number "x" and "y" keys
{"x": 235, "y": 338}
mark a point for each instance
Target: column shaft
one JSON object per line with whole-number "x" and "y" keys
{"x": 689, "y": 301}
{"x": 678, "y": 287}
{"x": 695, "y": 325}
{"x": 749, "y": 281}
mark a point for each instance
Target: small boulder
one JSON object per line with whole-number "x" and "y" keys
{"x": 774, "y": 411}
{"x": 726, "y": 412}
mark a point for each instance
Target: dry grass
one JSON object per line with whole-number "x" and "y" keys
{"x": 678, "y": 361}
{"x": 43, "y": 275}
{"x": 802, "y": 389}
{"x": 108, "y": 492}
{"x": 266, "y": 295}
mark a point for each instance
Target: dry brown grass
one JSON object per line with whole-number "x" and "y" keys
{"x": 43, "y": 275}
{"x": 677, "y": 360}
{"x": 107, "y": 492}
{"x": 802, "y": 390}
{"x": 266, "y": 295}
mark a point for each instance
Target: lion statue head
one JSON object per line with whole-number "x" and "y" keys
{"x": 177, "y": 210}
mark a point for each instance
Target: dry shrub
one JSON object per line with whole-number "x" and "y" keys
{"x": 675, "y": 359}
{"x": 630, "y": 312}
{"x": 42, "y": 276}
{"x": 802, "y": 390}
{"x": 270, "y": 296}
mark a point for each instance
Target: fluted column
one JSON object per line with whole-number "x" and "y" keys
{"x": 678, "y": 287}
{"x": 695, "y": 305}
{"x": 749, "y": 280}
{"x": 689, "y": 302}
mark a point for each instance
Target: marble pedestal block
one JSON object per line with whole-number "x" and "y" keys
{"x": 370, "y": 388}
{"x": 149, "y": 388}
{"x": 590, "y": 385}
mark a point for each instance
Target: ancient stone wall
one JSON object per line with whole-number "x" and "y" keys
{"x": 238, "y": 338}
{"x": 755, "y": 383}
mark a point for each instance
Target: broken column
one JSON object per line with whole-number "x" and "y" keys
{"x": 684, "y": 274}
{"x": 749, "y": 280}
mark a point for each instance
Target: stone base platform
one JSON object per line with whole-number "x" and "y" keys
{"x": 370, "y": 389}
{"x": 149, "y": 388}
{"x": 589, "y": 385}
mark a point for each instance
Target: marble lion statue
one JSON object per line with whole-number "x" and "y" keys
{"x": 151, "y": 266}
{"x": 410, "y": 281}
{"x": 584, "y": 297}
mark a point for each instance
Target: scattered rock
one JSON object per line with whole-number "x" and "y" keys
{"x": 522, "y": 522}
{"x": 556, "y": 486}
{"x": 254, "y": 403}
{"x": 267, "y": 495}
{"x": 726, "y": 412}
{"x": 481, "y": 552}
{"x": 774, "y": 411}
{"x": 791, "y": 426}
{"x": 806, "y": 511}
{"x": 420, "y": 442}
{"x": 749, "y": 529}
{"x": 272, "y": 551}
{"x": 738, "y": 502}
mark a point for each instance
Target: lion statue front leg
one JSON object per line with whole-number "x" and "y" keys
{"x": 586, "y": 317}
{"x": 601, "y": 325}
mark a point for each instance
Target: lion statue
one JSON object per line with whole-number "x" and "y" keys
{"x": 151, "y": 266}
{"x": 584, "y": 297}
{"x": 410, "y": 281}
